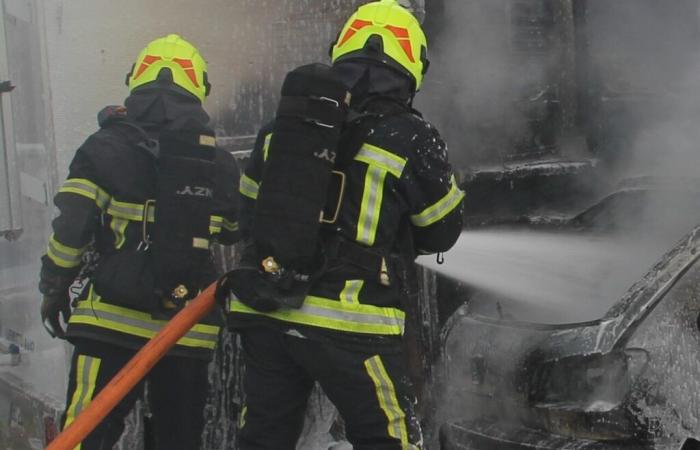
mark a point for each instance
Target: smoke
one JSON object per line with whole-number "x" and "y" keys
{"x": 483, "y": 79}
{"x": 466, "y": 87}
{"x": 502, "y": 81}
{"x": 417, "y": 7}
{"x": 638, "y": 79}
{"x": 647, "y": 73}
{"x": 638, "y": 92}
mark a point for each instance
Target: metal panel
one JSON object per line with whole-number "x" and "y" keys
{"x": 10, "y": 209}
{"x": 20, "y": 9}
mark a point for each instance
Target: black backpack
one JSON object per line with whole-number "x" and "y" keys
{"x": 168, "y": 266}
{"x": 297, "y": 184}
{"x": 294, "y": 187}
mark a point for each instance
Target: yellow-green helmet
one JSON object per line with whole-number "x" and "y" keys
{"x": 402, "y": 43}
{"x": 188, "y": 68}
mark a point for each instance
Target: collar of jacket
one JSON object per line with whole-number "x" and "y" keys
{"x": 368, "y": 78}
{"x": 159, "y": 108}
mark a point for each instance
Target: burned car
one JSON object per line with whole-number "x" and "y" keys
{"x": 516, "y": 376}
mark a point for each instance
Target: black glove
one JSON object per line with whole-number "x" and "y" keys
{"x": 51, "y": 307}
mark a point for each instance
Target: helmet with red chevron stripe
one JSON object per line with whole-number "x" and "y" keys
{"x": 187, "y": 67}
{"x": 387, "y": 32}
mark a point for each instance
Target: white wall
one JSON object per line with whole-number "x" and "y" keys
{"x": 91, "y": 44}
{"x": 249, "y": 45}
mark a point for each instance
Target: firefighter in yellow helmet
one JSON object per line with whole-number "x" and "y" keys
{"x": 342, "y": 324}
{"x": 386, "y": 33}
{"x": 145, "y": 196}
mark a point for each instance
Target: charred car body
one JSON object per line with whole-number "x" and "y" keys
{"x": 626, "y": 380}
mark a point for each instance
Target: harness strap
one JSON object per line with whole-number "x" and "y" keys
{"x": 144, "y": 141}
{"x": 377, "y": 263}
{"x": 321, "y": 111}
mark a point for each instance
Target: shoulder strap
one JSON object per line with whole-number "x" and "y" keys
{"x": 362, "y": 118}
{"x": 143, "y": 141}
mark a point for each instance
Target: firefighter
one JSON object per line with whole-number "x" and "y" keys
{"x": 398, "y": 199}
{"x": 146, "y": 196}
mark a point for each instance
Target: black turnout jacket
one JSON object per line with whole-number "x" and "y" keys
{"x": 401, "y": 199}
{"x": 102, "y": 206}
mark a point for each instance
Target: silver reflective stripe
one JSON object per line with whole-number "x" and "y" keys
{"x": 376, "y": 156}
{"x": 217, "y": 223}
{"x": 132, "y": 322}
{"x": 370, "y": 208}
{"x": 89, "y": 188}
{"x": 86, "y": 188}
{"x": 388, "y": 401}
{"x": 88, "y": 382}
{"x": 335, "y": 315}
{"x": 439, "y": 209}
{"x": 86, "y": 371}
{"x": 130, "y": 211}
{"x": 349, "y": 316}
{"x": 62, "y": 255}
{"x": 351, "y": 291}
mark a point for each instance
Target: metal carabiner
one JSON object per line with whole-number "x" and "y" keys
{"x": 145, "y": 238}
{"x": 440, "y": 258}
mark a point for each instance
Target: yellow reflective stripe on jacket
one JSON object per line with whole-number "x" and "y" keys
{"x": 376, "y": 156}
{"x": 249, "y": 187}
{"x": 86, "y": 188}
{"x": 63, "y": 255}
{"x": 228, "y": 225}
{"x": 439, "y": 209}
{"x": 388, "y": 401}
{"x": 218, "y": 223}
{"x": 380, "y": 163}
{"x": 129, "y": 211}
{"x": 241, "y": 419}
{"x": 371, "y": 206}
{"x": 134, "y": 212}
{"x": 118, "y": 226}
{"x": 105, "y": 315}
{"x": 351, "y": 291}
{"x": 266, "y": 146}
{"x": 335, "y": 315}
{"x": 86, "y": 371}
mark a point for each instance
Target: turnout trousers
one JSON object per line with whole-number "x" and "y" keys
{"x": 371, "y": 391}
{"x": 177, "y": 393}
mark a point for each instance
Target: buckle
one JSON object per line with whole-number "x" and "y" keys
{"x": 335, "y": 103}
{"x": 338, "y": 201}
{"x": 326, "y": 99}
{"x": 145, "y": 238}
